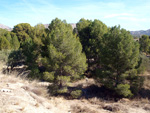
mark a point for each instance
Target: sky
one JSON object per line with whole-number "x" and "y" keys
{"x": 129, "y": 14}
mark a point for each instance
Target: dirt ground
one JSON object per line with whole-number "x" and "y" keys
{"x": 18, "y": 95}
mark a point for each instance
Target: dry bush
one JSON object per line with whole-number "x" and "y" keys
{"x": 124, "y": 100}
{"x": 81, "y": 109}
{"x": 145, "y": 100}
{"x": 40, "y": 91}
{"x": 146, "y": 84}
{"x": 112, "y": 107}
{"x": 37, "y": 98}
{"x": 96, "y": 101}
{"x": 37, "y": 91}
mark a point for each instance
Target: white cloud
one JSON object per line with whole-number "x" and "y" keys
{"x": 135, "y": 19}
{"x": 118, "y": 15}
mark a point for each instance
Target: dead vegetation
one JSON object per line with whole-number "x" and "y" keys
{"x": 19, "y": 95}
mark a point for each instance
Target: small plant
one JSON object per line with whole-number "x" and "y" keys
{"x": 124, "y": 90}
{"x": 76, "y": 94}
{"x": 48, "y": 76}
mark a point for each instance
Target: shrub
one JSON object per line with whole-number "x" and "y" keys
{"x": 76, "y": 94}
{"x": 124, "y": 90}
{"x": 4, "y": 43}
{"x": 4, "y": 55}
{"x": 136, "y": 84}
{"x": 143, "y": 64}
{"x": 48, "y": 76}
{"x": 81, "y": 109}
{"x": 34, "y": 73}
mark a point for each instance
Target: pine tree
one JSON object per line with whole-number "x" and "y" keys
{"x": 145, "y": 44}
{"x": 23, "y": 32}
{"x": 90, "y": 34}
{"x": 15, "y": 43}
{"x": 8, "y": 37}
{"x": 4, "y": 43}
{"x": 64, "y": 59}
{"x": 119, "y": 56}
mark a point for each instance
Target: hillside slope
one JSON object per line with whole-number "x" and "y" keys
{"x": 21, "y": 96}
{"x": 140, "y": 33}
{"x": 5, "y": 27}
{"x": 18, "y": 95}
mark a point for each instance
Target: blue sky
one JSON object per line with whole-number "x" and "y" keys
{"x": 130, "y": 14}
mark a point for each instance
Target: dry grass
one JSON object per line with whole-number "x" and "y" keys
{"x": 39, "y": 99}
{"x": 81, "y": 109}
{"x": 145, "y": 100}
{"x": 32, "y": 95}
{"x": 40, "y": 91}
{"x": 96, "y": 101}
{"x": 147, "y": 82}
{"x": 24, "y": 95}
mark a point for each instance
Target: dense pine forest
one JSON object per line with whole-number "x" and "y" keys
{"x": 60, "y": 55}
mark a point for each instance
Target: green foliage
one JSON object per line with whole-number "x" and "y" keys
{"x": 78, "y": 77}
{"x": 90, "y": 34}
{"x": 145, "y": 44}
{"x": 34, "y": 74}
{"x": 39, "y": 34}
{"x": 32, "y": 48}
{"x": 76, "y": 94}
{"x": 15, "y": 58}
{"x": 8, "y": 37}
{"x": 124, "y": 90}
{"x": 59, "y": 85}
{"x": 31, "y": 56}
{"x": 4, "y": 43}
{"x": 62, "y": 90}
{"x": 136, "y": 83}
{"x": 62, "y": 80}
{"x": 143, "y": 64}
{"x": 55, "y": 90}
{"x": 110, "y": 51}
{"x": 15, "y": 43}
{"x": 23, "y": 31}
{"x": 48, "y": 76}
{"x": 39, "y": 30}
{"x": 119, "y": 57}
{"x": 63, "y": 53}
{"x": 3, "y": 32}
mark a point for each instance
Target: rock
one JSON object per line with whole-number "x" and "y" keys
{"x": 5, "y": 90}
{"x": 147, "y": 107}
{"x": 108, "y": 107}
